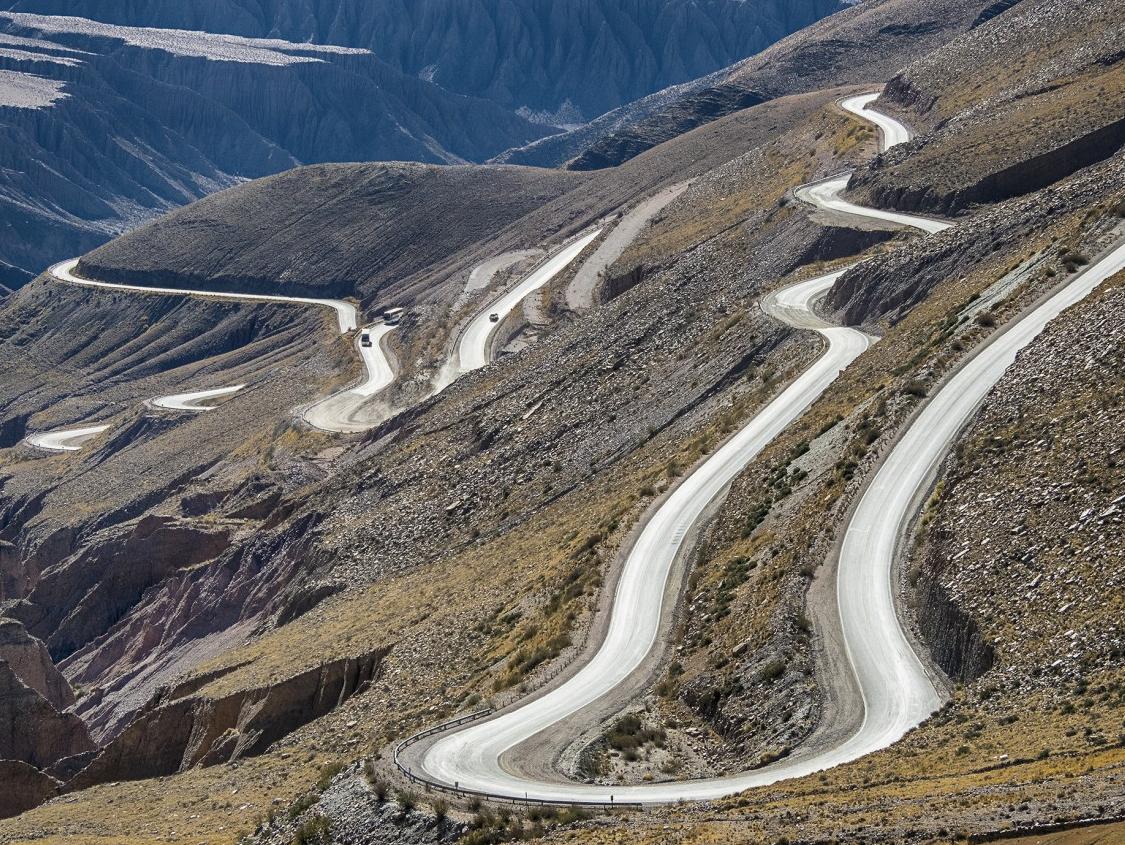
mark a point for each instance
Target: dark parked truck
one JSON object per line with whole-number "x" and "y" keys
{"x": 365, "y": 339}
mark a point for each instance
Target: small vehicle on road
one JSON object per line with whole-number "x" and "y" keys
{"x": 365, "y": 339}
{"x": 494, "y": 318}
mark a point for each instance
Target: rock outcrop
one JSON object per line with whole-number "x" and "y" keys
{"x": 31, "y": 729}
{"x": 24, "y": 787}
{"x": 28, "y": 658}
{"x": 560, "y": 61}
{"x": 180, "y": 728}
{"x": 78, "y": 599}
{"x": 191, "y": 113}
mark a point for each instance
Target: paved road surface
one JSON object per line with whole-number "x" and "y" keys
{"x": 825, "y": 194}
{"x": 473, "y": 350}
{"x": 471, "y": 757}
{"x": 191, "y": 401}
{"x": 346, "y": 314}
{"x": 69, "y": 440}
{"x": 345, "y": 411}
{"x": 340, "y": 412}
{"x": 896, "y": 688}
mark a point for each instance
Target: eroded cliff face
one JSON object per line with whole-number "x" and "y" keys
{"x": 561, "y": 61}
{"x": 24, "y": 787}
{"x": 181, "y": 728}
{"x": 82, "y": 596}
{"x": 31, "y": 729}
{"x": 1034, "y": 130}
{"x": 191, "y": 113}
{"x": 28, "y": 658}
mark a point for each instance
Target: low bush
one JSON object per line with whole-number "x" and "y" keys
{"x": 314, "y": 831}
{"x": 407, "y": 800}
{"x": 773, "y": 670}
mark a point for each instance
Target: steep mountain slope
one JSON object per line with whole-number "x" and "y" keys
{"x": 104, "y": 127}
{"x": 365, "y": 230}
{"x": 343, "y": 594}
{"x": 1029, "y": 123}
{"x": 559, "y": 62}
{"x": 867, "y": 42}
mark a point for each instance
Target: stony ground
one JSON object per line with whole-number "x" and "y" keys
{"x": 468, "y": 540}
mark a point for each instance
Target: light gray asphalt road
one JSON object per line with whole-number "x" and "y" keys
{"x": 192, "y": 401}
{"x": 344, "y": 411}
{"x": 897, "y": 691}
{"x": 68, "y": 440}
{"x": 346, "y": 314}
{"x": 341, "y": 412}
{"x": 826, "y": 193}
{"x": 473, "y": 348}
{"x": 471, "y": 757}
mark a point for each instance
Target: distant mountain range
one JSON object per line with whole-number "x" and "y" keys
{"x": 111, "y": 114}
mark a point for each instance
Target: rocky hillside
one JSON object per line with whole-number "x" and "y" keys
{"x": 366, "y": 230}
{"x": 198, "y": 96}
{"x": 1028, "y": 124}
{"x": 868, "y": 42}
{"x": 250, "y": 613}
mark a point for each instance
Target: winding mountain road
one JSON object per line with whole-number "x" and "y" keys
{"x": 825, "y": 194}
{"x": 471, "y": 757}
{"x": 896, "y": 688}
{"x": 64, "y": 440}
{"x": 340, "y": 412}
{"x": 343, "y": 411}
{"x": 346, "y": 314}
{"x": 474, "y": 350}
{"x": 191, "y": 401}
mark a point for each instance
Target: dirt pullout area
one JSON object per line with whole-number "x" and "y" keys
{"x": 582, "y": 290}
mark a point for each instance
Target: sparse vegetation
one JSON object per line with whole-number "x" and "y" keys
{"x": 314, "y": 831}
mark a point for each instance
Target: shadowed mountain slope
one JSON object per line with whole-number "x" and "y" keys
{"x": 560, "y": 61}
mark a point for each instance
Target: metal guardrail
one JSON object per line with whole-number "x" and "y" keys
{"x": 462, "y": 792}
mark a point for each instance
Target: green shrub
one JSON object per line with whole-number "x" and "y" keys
{"x": 407, "y": 799}
{"x": 327, "y": 773}
{"x": 381, "y": 789}
{"x": 301, "y": 804}
{"x": 314, "y": 831}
